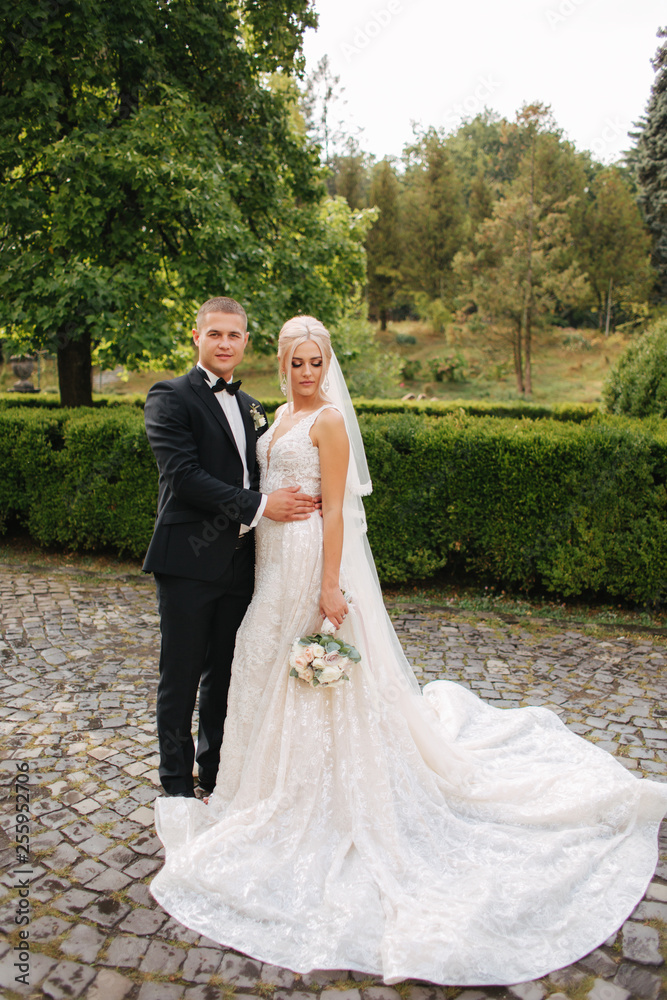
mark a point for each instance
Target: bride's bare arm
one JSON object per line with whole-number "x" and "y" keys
{"x": 329, "y": 435}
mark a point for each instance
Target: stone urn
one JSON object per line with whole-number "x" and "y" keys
{"x": 23, "y": 365}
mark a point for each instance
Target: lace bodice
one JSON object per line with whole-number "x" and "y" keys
{"x": 292, "y": 458}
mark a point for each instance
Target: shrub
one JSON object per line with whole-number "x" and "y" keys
{"x": 411, "y": 370}
{"x": 78, "y": 479}
{"x": 570, "y": 509}
{"x": 405, "y": 338}
{"x": 574, "y": 509}
{"x": 637, "y": 385}
{"x": 448, "y": 369}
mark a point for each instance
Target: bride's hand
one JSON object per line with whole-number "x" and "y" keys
{"x": 333, "y": 605}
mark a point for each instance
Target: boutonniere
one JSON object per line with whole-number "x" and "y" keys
{"x": 258, "y": 418}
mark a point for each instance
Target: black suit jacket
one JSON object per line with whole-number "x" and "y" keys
{"x": 201, "y": 502}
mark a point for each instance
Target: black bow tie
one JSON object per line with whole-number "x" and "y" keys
{"x": 222, "y": 386}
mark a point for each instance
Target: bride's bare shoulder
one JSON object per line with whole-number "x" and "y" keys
{"x": 328, "y": 428}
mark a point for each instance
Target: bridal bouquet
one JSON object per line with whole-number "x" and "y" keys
{"x": 321, "y": 659}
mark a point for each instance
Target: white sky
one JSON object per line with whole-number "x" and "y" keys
{"x": 434, "y": 61}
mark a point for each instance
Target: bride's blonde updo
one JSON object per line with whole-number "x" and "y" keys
{"x": 297, "y": 331}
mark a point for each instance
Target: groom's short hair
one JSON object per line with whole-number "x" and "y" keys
{"x": 224, "y": 305}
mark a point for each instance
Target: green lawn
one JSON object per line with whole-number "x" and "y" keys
{"x": 568, "y": 366}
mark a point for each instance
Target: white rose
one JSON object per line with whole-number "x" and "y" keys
{"x": 307, "y": 674}
{"x": 317, "y": 650}
{"x": 330, "y": 674}
{"x": 318, "y": 662}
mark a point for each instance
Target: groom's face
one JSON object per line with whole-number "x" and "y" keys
{"x": 221, "y": 340}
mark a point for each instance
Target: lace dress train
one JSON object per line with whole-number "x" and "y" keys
{"x": 374, "y": 828}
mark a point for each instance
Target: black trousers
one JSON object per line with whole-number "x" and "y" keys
{"x": 198, "y": 622}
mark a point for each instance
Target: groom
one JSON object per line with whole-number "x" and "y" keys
{"x": 203, "y": 432}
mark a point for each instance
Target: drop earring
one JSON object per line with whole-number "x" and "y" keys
{"x": 283, "y": 383}
{"x": 325, "y": 384}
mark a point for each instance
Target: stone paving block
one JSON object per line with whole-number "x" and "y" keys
{"x": 140, "y": 894}
{"x": 201, "y": 963}
{"x": 46, "y": 889}
{"x": 639, "y": 981}
{"x": 125, "y": 951}
{"x": 124, "y": 829}
{"x": 79, "y": 831}
{"x": 641, "y": 943}
{"x": 55, "y": 820}
{"x": 334, "y": 994}
{"x": 657, "y": 892}
{"x": 163, "y": 958}
{"x": 109, "y": 985}
{"x": 599, "y": 963}
{"x": 389, "y": 993}
{"x": 143, "y": 815}
{"x": 143, "y": 922}
{"x": 239, "y": 970}
{"x": 83, "y": 943}
{"x": 74, "y": 901}
{"x": 284, "y": 978}
{"x": 607, "y": 991}
{"x": 47, "y": 928}
{"x": 322, "y": 977}
{"x": 106, "y": 912}
{"x": 109, "y": 880}
{"x": 651, "y": 911}
{"x": 569, "y": 978}
{"x": 68, "y": 979}
{"x": 86, "y": 870}
{"x": 160, "y": 991}
{"x": 143, "y": 867}
{"x": 533, "y": 990}
{"x": 147, "y": 844}
{"x": 296, "y": 995}
{"x": 119, "y": 857}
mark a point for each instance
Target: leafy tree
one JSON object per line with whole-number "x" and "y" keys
{"x": 351, "y": 172}
{"x": 637, "y": 384}
{"x": 384, "y": 243}
{"x": 433, "y": 211}
{"x": 522, "y": 265}
{"x": 145, "y": 164}
{"x": 614, "y": 245}
{"x": 651, "y": 165}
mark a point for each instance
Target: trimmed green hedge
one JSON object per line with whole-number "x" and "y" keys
{"x": 575, "y": 509}
{"x": 78, "y": 479}
{"x": 575, "y": 412}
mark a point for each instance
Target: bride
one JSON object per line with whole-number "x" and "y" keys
{"x": 370, "y": 826}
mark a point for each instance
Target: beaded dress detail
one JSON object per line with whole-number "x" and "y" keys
{"x": 374, "y": 828}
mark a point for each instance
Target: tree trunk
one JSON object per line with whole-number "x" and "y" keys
{"x": 74, "y": 370}
{"x": 383, "y": 319}
{"x": 518, "y": 362}
{"x": 528, "y": 299}
{"x": 606, "y": 326}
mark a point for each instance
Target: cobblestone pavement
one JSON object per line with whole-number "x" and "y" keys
{"x": 78, "y": 683}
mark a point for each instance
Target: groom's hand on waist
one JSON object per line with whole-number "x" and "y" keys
{"x": 288, "y": 504}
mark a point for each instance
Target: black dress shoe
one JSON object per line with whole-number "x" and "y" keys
{"x": 180, "y": 795}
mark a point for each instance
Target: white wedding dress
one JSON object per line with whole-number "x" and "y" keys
{"x": 373, "y": 828}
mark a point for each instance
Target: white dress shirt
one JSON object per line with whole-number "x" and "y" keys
{"x": 230, "y": 408}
